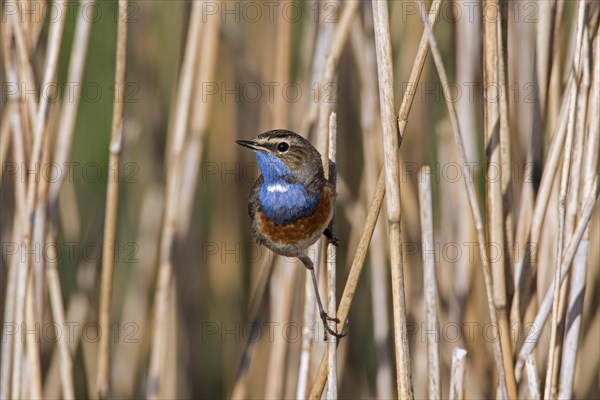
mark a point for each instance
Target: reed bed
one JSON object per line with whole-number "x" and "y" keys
{"x": 465, "y": 137}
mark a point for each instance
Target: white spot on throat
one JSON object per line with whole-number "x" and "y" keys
{"x": 277, "y": 188}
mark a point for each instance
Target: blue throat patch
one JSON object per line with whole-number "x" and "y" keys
{"x": 281, "y": 201}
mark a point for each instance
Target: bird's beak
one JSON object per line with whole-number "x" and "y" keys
{"x": 252, "y": 145}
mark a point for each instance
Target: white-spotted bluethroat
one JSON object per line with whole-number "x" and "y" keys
{"x": 291, "y": 204}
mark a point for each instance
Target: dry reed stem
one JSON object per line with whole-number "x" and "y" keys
{"x": 13, "y": 273}
{"x": 375, "y": 206}
{"x": 417, "y": 69}
{"x": 467, "y": 71}
{"x": 112, "y": 203}
{"x": 32, "y": 385}
{"x": 458, "y": 373}
{"x": 505, "y": 145}
{"x": 532, "y": 231}
{"x": 321, "y": 50}
{"x": 496, "y": 130}
{"x": 575, "y": 182}
{"x": 13, "y": 34}
{"x": 27, "y": 211}
{"x": 577, "y": 289}
{"x": 555, "y": 83}
{"x": 325, "y": 110}
{"x": 63, "y": 147}
{"x": 20, "y": 267}
{"x": 36, "y": 283}
{"x": 257, "y": 297}
{"x": 9, "y": 309}
{"x": 363, "y": 49}
{"x": 430, "y": 284}
{"x": 332, "y": 392}
{"x": 281, "y": 304}
{"x": 533, "y": 384}
{"x": 543, "y": 60}
{"x": 308, "y": 319}
{"x": 69, "y": 110}
{"x": 540, "y": 75}
{"x": 564, "y": 182}
{"x": 281, "y": 298}
{"x": 320, "y": 53}
{"x": 32, "y": 27}
{"x": 569, "y": 254}
{"x": 5, "y": 137}
{"x": 353, "y": 276}
{"x": 11, "y": 118}
{"x": 76, "y": 313}
{"x": 175, "y": 162}
{"x": 337, "y": 45}
{"x": 331, "y": 52}
{"x": 383, "y": 49}
{"x": 58, "y": 314}
{"x": 127, "y": 356}
{"x": 532, "y": 210}
{"x": 6, "y": 47}
{"x": 199, "y": 120}
{"x": 282, "y": 67}
{"x": 475, "y": 210}
{"x": 26, "y": 76}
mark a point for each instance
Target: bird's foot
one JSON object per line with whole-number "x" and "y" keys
{"x": 326, "y": 319}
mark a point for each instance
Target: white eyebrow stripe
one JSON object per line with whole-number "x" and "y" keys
{"x": 277, "y": 188}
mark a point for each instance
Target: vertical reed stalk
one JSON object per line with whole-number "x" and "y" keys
{"x": 177, "y": 136}
{"x": 332, "y": 392}
{"x": 64, "y": 139}
{"x": 363, "y": 48}
{"x": 569, "y": 255}
{"x": 496, "y": 152}
{"x": 5, "y": 136}
{"x": 58, "y": 314}
{"x": 417, "y": 69}
{"x": 376, "y": 202}
{"x": 457, "y": 374}
{"x": 321, "y": 49}
{"x": 578, "y": 282}
{"x": 429, "y": 284}
{"x": 564, "y": 182}
{"x": 383, "y": 50}
{"x": 338, "y": 41}
{"x": 11, "y": 119}
{"x": 505, "y": 146}
{"x": 112, "y": 203}
{"x": 353, "y": 276}
{"x": 475, "y": 210}
{"x": 531, "y": 232}
{"x": 533, "y": 384}
{"x": 27, "y": 210}
{"x": 281, "y": 302}
{"x": 572, "y": 200}
{"x": 32, "y": 385}
{"x": 66, "y": 124}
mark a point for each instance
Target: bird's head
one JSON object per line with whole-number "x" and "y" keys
{"x": 284, "y": 155}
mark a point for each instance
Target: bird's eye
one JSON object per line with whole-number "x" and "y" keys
{"x": 283, "y": 147}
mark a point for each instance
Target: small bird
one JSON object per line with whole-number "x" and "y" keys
{"x": 291, "y": 204}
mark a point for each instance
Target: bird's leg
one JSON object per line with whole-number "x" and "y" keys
{"x": 324, "y": 317}
{"x": 334, "y": 240}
